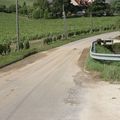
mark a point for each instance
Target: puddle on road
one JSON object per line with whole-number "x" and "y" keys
{"x": 73, "y": 96}
{"x": 76, "y": 95}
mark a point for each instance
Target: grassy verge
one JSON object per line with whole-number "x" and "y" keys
{"x": 35, "y": 48}
{"x": 15, "y": 56}
{"x": 108, "y": 70}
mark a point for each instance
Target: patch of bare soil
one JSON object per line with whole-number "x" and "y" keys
{"x": 82, "y": 62}
{"x": 29, "y": 60}
{"x": 83, "y": 58}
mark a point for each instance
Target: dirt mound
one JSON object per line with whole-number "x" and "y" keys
{"x": 83, "y": 58}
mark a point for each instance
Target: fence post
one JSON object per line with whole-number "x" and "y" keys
{"x": 17, "y": 25}
{"x": 65, "y": 23}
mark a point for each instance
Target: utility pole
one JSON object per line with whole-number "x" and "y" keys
{"x": 17, "y": 25}
{"x": 65, "y": 22}
{"x": 91, "y": 16}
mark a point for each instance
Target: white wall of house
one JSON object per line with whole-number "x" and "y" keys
{"x": 75, "y": 3}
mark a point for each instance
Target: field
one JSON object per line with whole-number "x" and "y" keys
{"x": 10, "y": 2}
{"x": 31, "y": 28}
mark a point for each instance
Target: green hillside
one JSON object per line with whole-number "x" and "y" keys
{"x": 9, "y": 2}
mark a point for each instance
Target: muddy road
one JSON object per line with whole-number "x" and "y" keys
{"x": 54, "y": 87}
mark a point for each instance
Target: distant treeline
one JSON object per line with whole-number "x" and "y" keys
{"x": 54, "y": 9}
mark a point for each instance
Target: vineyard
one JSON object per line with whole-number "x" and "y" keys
{"x": 49, "y": 33}
{"x": 10, "y": 2}
{"x": 31, "y": 29}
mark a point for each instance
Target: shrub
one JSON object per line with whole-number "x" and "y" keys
{"x": 85, "y": 31}
{"x": 26, "y": 44}
{"x": 24, "y": 9}
{"x": 114, "y": 27}
{"x": 70, "y": 34}
{"x": 88, "y": 31}
{"x": 82, "y": 32}
{"x": 1, "y": 49}
{"x": 5, "y": 49}
{"x": 48, "y": 40}
{"x": 105, "y": 28}
{"x": 12, "y": 8}
{"x": 78, "y": 33}
{"x": 21, "y": 46}
{"x": 23, "y": 38}
{"x": 95, "y": 30}
{"x": 63, "y": 36}
{"x": 54, "y": 38}
{"x": 33, "y": 37}
{"x": 36, "y": 13}
{"x": 30, "y": 12}
{"x": 8, "y": 48}
{"x": 46, "y": 14}
{"x": 2, "y": 8}
{"x": 59, "y": 37}
{"x": 39, "y": 36}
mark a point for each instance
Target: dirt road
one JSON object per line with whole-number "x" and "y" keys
{"x": 55, "y": 88}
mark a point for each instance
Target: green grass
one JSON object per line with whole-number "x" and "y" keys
{"x": 10, "y": 2}
{"x": 102, "y": 49}
{"x": 15, "y": 56}
{"x": 31, "y": 28}
{"x": 36, "y": 47}
{"x": 108, "y": 71}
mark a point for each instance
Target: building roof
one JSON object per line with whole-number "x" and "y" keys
{"x": 79, "y": 2}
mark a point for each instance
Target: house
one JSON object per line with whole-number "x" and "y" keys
{"x": 81, "y": 2}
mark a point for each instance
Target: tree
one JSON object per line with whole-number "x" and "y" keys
{"x": 2, "y": 8}
{"x": 67, "y": 4}
{"x": 12, "y": 8}
{"x": 24, "y": 9}
{"x": 108, "y": 9}
{"x": 40, "y": 8}
{"x": 116, "y": 6}
{"x": 56, "y": 8}
{"x": 46, "y": 14}
{"x": 98, "y": 8}
{"x": 38, "y": 13}
{"x": 42, "y": 4}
